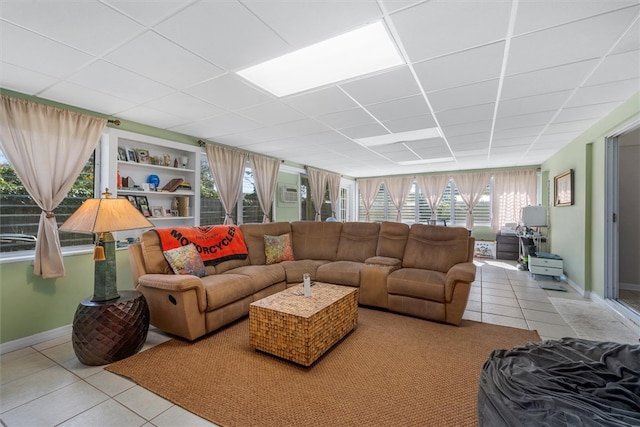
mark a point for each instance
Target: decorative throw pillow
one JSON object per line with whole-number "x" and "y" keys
{"x": 278, "y": 248}
{"x": 186, "y": 260}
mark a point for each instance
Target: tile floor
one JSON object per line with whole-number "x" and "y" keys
{"x": 45, "y": 385}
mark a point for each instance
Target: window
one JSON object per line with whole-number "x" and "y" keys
{"x": 417, "y": 209}
{"x": 20, "y": 215}
{"x": 247, "y": 210}
{"x": 307, "y": 207}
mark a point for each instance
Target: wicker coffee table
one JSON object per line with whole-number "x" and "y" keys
{"x": 301, "y": 329}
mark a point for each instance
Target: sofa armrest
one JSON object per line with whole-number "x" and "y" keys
{"x": 463, "y": 272}
{"x": 176, "y": 283}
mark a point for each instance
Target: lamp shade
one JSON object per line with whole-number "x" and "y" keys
{"x": 105, "y": 215}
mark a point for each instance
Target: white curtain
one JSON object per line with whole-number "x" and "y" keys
{"x": 333, "y": 180}
{"x": 368, "y": 190}
{"x": 512, "y": 191}
{"x": 433, "y": 188}
{"x": 265, "y": 174}
{"x": 227, "y": 168}
{"x": 398, "y": 189}
{"x": 471, "y": 186}
{"x": 48, "y": 148}
{"x": 317, "y": 188}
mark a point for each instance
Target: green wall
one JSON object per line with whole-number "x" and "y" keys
{"x": 577, "y": 232}
{"x": 30, "y": 304}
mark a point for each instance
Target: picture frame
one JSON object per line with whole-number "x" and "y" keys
{"x": 132, "y": 200}
{"x": 167, "y": 212}
{"x": 131, "y": 155}
{"x": 143, "y": 205}
{"x": 157, "y": 211}
{"x": 122, "y": 154}
{"x": 563, "y": 189}
{"x": 142, "y": 156}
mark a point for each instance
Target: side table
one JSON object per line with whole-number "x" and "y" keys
{"x": 108, "y": 331}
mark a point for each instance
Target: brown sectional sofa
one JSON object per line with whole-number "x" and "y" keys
{"x": 424, "y": 271}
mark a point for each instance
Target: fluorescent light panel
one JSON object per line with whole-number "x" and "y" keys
{"x": 362, "y": 51}
{"x": 392, "y": 138}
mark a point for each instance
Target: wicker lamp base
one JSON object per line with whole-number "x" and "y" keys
{"x": 105, "y": 332}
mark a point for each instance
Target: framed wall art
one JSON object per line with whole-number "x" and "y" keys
{"x": 563, "y": 189}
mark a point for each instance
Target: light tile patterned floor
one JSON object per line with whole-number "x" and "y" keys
{"x": 45, "y": 385}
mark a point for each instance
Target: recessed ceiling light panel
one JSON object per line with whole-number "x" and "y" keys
{"x": 392, "y": 138}
{"x": 362, "y": 51}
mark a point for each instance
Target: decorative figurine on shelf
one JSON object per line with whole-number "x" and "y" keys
{"x": 185, "y": 161}
{"x": 167, "y": 160}
{"x": 174, "y": 205}
{"x": 175, "y": 163}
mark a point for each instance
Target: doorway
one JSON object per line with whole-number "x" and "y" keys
{"x": 623, "y": 227}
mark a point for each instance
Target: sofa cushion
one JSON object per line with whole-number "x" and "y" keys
{"x": 358, "y": 241}
{"x": 262, "y": 276}
{"x": 154, "y": 259}
{"x": 254, "y": 238}
{"x": 186, "y": 260}
{"x": 434, "y": 247}
{"x": 392, "y": 239}
{"x": 277, "y": 248}
{"x": 417, "y": 283}
{"x": 223, "y": 289}
{"x": 295, "y": 269}
{"x": 340, "y": 273}
{"x": 315, "y": 240}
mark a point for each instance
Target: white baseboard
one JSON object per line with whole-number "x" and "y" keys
{"x": 35, "y": 339}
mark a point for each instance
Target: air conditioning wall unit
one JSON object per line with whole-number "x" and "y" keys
{"x": 289, "y": 195}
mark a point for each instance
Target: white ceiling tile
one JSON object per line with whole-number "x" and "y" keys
{"x": 347, "y": 118}
{"x": 89, "y": 26}
{"x": 304, "y": 22}
{"x": 399, "y": 108}
{"x": 187, "y": 106}
{"x": 586, "y": 39}
{"x": 586, "y": 112}
{"x": 406, "y": 124}
{"x": 513, "y": 142}
{"x": 228, "y": 92}
{"x": 229, "y": 124}
{"x": 518, "y": 132}
{"x": 481, "y": 138}
{"x": 147, "y": 12}
{"x": 453, "y": 70}
{"x": 430, "y": 148}
{"x": 54, "y": 59}
{"x": 532, "y": 104}
{"x": 466, "y": 128}
{"x": 608, "y": 92}
{"x": 437, "y": 28}
{"x": 152, "y": 117}
{"x": 538, "y": 14}
{"x": 621, "y": 66}
{"x": 322, "y": 101}
{"x": 225, "y": 33}
{"x": 393, "y": 84}
{"x": 119, "y": 82}
{"x": 364, "y": 131}
{"x": 464, "y": 96}
{"x": 466, "y": 115}
{"x": 400, "y": 156}
{"x": 517, "y": 122}
{"x": 394, "y": 5}
{"x": 571, "y": 126}
{"x": 298, "y": 128}
{"x": 557, "y": 139}
{"x": 544, "y": 81}
{"x": 630, "y": 41}
{"x": 272, "y": 113}
{"x": 22, "y": 80}
{"x": 79, "y": 96}
{"x": 158, "y": 58}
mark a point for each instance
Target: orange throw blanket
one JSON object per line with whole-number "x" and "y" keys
{"x": 215, "y": 243}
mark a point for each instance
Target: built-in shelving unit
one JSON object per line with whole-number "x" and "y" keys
{"x": 166, "y": 160}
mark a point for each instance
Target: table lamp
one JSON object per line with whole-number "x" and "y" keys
{"x": 102, "y": 216}
{"x": 109, "y": 326}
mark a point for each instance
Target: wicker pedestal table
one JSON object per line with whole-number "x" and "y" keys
{"x": 299, "y": 328}
{"x": 105, "y": 332}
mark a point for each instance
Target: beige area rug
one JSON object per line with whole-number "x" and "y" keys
{"x": 391, "y": 370}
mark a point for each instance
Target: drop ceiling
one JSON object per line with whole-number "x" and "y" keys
{"x": 506, "y": 83}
